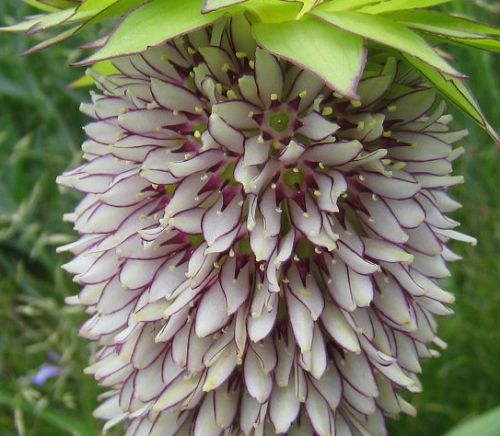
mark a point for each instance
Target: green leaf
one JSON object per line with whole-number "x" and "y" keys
{"x": 152, "y": 24}
{"x": 213, "y": 5}
{"x": 41, "y": 6}
{"x": 49, "y": 42}
{"x": 346, "y": 5}
{"x": 492, "y": 45}
{"x": 307, "y": 5}
{"x": 397, "y": 5}
{"x": 387, "y": 32}
{"x": 335, "y": 56}
{"x": 90, "y": 12}
{"x": 451, "y": 29}
{"x": 41, "y": 21}
{"x": 443, "y": 24}
{"x": 95, "y": 5}
{"x": 487, "y": 424}
{"x": 456, "y": 91}
{"x": 115, "y": 9}
{"x": 105, "y": 68}
{"x": 274, "y": 11}
{"x": 50, "y": 6}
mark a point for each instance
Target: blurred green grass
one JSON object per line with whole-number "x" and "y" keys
{"x": 40, "y": 133}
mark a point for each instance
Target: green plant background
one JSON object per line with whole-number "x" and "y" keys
{"x": 40, "y": 134}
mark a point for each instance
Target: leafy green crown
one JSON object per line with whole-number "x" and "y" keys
{"x": 329, "y": 38}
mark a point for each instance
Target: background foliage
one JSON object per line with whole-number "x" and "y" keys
{"x": 40, "y": 134}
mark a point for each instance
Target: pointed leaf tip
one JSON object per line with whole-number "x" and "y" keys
{"x": 338, "y": 57}
{"x": 150, "y": 25}
{"x": 386, "y": 32}
{"x": 456, "y": 91}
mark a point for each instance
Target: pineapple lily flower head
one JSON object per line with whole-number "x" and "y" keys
{"x": 265, "y": 224}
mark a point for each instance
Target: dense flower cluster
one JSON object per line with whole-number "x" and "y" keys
{"x": 257, "y": 253}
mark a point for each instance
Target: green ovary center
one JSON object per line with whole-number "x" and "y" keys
{"x": 279, "y": 122}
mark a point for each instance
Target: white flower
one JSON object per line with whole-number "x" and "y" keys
{"x": 258, "y": 254}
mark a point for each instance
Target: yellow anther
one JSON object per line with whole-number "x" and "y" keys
{"x": 274, "y": 97}
{"x": 123, "y": 110}
{"x": 387, "y": 134}
{"x": 392, "y": 108}
{"x": 191, "y": 51}
{"x": 303, "y": 94}
{"x": 197, "y": 134}
{"x": 250, "y": 114}
{"x": 327, "y": 110}
{"x": 198, "y": 109}
{"x": 241, "y": 55}
{"x": 317, "y": 193}
{"x": 164, "y": 58}
{"x": 355, "y": 103}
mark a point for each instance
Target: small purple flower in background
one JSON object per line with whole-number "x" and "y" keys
{"x": 45, "y": 372}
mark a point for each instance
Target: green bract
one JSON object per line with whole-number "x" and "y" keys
{"x": 315, "y": 34}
